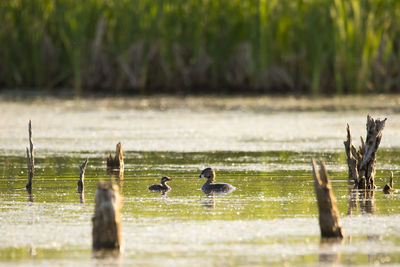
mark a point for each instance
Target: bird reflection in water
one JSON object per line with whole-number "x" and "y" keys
{"x": 208, "y": 201}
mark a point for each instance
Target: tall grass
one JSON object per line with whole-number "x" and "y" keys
{"x": 201, "y": 46}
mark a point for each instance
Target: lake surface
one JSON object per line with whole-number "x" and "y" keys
{"x": 264, "y": 149}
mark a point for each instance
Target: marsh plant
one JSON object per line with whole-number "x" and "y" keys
{"x": 204, "y": 46}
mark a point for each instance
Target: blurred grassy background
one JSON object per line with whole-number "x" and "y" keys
{"x": 201, "y": 46}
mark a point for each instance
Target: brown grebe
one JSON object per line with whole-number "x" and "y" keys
{"x": 210, "y": 187}
{"x": 163, "y": 187}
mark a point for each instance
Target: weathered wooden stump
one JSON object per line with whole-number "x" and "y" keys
{"x": 329, "y": 219}
{"x": 106, "y": 232}
{"x": 116, "y": 163}
{"x": 81, "y": 181}
{"x": 362, "y": 162}
{"x": 389, "y": 188}
{"x": 30, "y": 160}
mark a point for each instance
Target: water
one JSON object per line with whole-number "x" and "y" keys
{"x": 271, "y": 219}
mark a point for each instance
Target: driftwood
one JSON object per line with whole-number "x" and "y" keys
{"x": 362, "y": 162}
{"x": 30, "y": 160}
{"x": 388, "y": 189}
{"x": 116, "y": 163}
{"x": 329, "y": 220}
{"x": 81, "y": 181}
{"x": 106, "y": 232}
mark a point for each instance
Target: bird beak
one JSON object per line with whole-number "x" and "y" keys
{"x": 201, "y": 176}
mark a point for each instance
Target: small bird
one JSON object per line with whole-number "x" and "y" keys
{"x": 210, "y": 187}
{"x": 163, "y": 187}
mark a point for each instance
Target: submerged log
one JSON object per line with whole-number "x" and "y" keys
{"x": 362, "y": 162}
{"x": 81, "y": 181}
{"x": 329, "y": 220}
{"x": 116, "y": 163}
{"x": 388, "y": 189}
{"x": 106, "y": 232}
{"x": 30, "y": 160}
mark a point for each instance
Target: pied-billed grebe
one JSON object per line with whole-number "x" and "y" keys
{"x": 211, "y": 187}
{"x": 163, "y": 187}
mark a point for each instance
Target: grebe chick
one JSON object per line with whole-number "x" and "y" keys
{"x": 210, "y": 187}
{"x": 163, "y": 187}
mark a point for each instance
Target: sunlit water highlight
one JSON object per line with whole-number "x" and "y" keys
{"x": 271, "y": 219}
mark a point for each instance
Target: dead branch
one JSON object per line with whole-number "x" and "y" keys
{"x": 81, "y": 181}
{"x": 351, "y": 158}
{"x": 362, "y": 162}
{"x": 30, "y": 159}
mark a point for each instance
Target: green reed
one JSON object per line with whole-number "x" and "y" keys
{"x": 201, "y": 46}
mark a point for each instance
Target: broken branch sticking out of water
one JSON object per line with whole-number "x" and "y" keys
{"x": 30, "y": 159}
{"x": 362, "y": 162}
{"x": 329, "y": 220}
{"x": 116, "y": 163}
{"x": 106, "y": 232}
{"x": 388, "y": 189}
{"x": 81, "y": 181}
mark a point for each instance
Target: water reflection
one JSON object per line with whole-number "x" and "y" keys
{"x": 208, "y": 201}
{"x": 30, "y": 195}
{"x": 117, "y": 177}
{"x": 328, "y": 254}
{"x": 32, "y": 251}
{"x": 366, "y": 200}
{"x": 107, "y": 258}
{"x": 82, "y": 196}
{"x": 352, "y": 205}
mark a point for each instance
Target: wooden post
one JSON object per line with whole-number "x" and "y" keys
{"x": 81, "y": 181}
{"x": 106, "y": 232}
{"x": 116, "y": 163}
{"x": 30, "y": 160}
{"x": 329, "y": 220}
{"x": 362, "y": 162}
